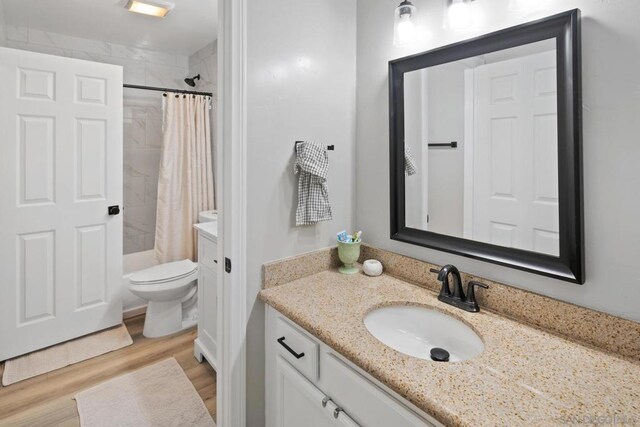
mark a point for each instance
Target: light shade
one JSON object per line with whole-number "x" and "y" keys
{"x": 152, "y": 8}
{"x": 457, "y": 14}
{"x": 404, "y": 26}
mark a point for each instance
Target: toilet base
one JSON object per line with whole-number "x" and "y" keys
{"x": 165, "y": 318}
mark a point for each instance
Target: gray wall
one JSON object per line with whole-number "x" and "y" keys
{"x": 446, "y": 166}
{"x": 2, "y": 35}
{"x": 611, "y": 105}
{"x": 300, "y": 85}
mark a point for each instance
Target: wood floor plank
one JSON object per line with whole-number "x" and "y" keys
{"x": 47, "y": 400}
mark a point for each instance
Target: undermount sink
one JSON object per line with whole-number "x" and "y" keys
{"x": 415, "y": 331}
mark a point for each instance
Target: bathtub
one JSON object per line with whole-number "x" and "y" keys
{"x": 132, "y": 305}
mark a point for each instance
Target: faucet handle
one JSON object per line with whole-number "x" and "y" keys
{"x": 445, "y": 290}
{"x": 471, "y": 295}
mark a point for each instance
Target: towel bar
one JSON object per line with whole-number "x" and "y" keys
{"x": 452, "y": 144}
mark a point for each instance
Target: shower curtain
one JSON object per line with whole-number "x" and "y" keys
{"x": 185, "y": 183}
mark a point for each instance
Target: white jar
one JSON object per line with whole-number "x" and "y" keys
{"x": 372, "y": 267}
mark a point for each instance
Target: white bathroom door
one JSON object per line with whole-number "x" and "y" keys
{"x": 60, "y": 169}
{"x": 516, "y": 154}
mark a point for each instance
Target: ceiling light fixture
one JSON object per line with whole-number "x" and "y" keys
{"x": 404, "y": 27}
{"x": 150, "y": 7}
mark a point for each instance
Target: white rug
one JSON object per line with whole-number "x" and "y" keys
{"x": 64, "y": 354}
{"x": 159, "y": 395}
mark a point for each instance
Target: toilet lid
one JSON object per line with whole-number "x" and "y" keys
{"x": 164, "y": 272}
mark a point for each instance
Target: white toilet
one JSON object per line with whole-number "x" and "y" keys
{"x": 171, "y": 291}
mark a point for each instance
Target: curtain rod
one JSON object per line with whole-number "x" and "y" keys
{"x": 163, "y": 89}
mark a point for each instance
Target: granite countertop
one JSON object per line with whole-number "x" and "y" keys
{"x": 209, "y": 229}
{"x": 524, "y": 377}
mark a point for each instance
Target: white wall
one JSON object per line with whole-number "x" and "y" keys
{"x": 300, "y": 85}
{"x": 611, "y": 107}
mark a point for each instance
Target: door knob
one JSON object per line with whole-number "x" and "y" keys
{"x": 113, "y": 210}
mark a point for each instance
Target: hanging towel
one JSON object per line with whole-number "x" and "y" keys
{"x": 312, "y": 164}
{"x": 409, "y": 162}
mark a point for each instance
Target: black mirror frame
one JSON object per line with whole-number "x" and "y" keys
{"x": 565, "y": 28}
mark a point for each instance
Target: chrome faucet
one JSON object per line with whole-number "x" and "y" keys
{"x": 457, "y": 296}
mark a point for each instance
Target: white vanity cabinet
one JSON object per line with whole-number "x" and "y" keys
{"x": 300, "y": 401}
{"x": 205, "y": 343}
{"x": 309, "y": 384}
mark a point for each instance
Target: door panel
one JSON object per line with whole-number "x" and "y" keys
{"x": 60, "y": 167}
{"x": 515, "y": 185}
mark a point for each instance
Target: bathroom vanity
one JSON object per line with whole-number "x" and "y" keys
{"x": 540, "y": 361}
{"x": 206, "y": 343}
{"x": 308, "y": 380}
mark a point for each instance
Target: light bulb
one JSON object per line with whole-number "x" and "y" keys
{"x": 459, "y": 14}
{"x": 404, "y": 33}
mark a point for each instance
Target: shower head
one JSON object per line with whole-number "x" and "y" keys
{"x": 191, "y": 81}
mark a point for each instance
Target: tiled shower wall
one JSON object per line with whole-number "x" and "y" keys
{"x": 142, "y": 148}
{"x": 142, "y": 115}
{"x": 205, "y": 63}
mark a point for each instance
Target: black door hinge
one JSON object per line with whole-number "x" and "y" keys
{"x": 227, "y": 265}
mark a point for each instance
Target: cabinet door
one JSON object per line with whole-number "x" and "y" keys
{"x": 208, "y": 309}
{"x": 299, "y": 402}
{"x": 369, "y": 405}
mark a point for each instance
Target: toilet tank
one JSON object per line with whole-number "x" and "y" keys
{"x": 208, "y": 216}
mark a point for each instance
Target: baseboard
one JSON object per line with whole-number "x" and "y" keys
{"x": 133, "y": 312}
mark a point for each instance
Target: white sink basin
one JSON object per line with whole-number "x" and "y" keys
{"x": 416, "y": 330}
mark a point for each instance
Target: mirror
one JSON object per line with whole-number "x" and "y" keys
{"x": 485, "y": 146}
{"x": 483, "y": 135}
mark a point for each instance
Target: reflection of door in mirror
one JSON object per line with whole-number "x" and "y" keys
{"x": 500, "y": 184}
{"x": 514, "y": 144}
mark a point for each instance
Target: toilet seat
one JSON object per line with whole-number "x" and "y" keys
{"x": 164, "y": 273}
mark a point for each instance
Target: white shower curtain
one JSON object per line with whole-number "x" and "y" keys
{"x": 185, "y": 183}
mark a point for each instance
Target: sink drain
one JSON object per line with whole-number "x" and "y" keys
{"x": 439, "y": 354}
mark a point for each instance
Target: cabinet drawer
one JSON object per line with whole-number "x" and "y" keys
{"x": 297, "y": 348}
{"x": 207, "y": 252}
{"x": 365, "y": 402}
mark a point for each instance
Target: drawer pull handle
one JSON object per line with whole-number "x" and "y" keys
{"x": 215, "y": 260}
{"x": 289, "y": 349}
{"x": 336, "y": 412}
{"x": 325, "y": 400}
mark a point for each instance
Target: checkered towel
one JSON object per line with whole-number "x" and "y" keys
{"x": 312, "y": 164}
{"x": 410, "y": 167}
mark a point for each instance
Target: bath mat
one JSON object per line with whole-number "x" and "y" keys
{"x": 64, "y": 354}
{"x": 157, "y": 395}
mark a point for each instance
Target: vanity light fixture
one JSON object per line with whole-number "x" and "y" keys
{"x": 156, "y": 8}
{"x": 404, "y": 26}
{"x": 526, "y": 5}
{"x": 457, "y": 14}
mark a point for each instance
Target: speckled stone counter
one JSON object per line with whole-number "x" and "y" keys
{"x": 524, "y": 377}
